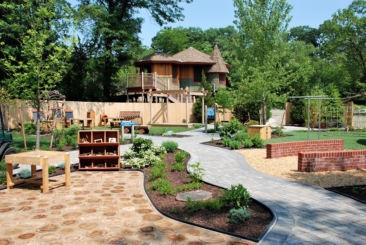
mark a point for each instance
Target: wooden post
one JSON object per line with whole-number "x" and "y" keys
{"x": 132, "y": 132}
{"x": 9, "y": 176}
{"x": 186, "y": 107}
{"x": 151, "y": 98}
{"x": 167, "y": 108}
{"x": 34, "y": 170}
{"x": 45, "y": 184}
{"x": 203, "y": 107}
{"x": 205, "y": 118}
{"x": 215, "y": 121}
{"x": 67, "y": 169}
{"x": 123, "y": 132}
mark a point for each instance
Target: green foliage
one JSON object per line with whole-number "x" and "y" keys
{"x": 247, "y": 143}
{"x": 170, "y": 146}
{"x": 140, "y": 145}
{"x": 197, "y": 172}
{"x": 239, "y": 215}
{"x": 2, "y": 172}
{"x": 209, "y": 100}
{"x": 51, "y": 169}
{"x": 257, "y": 141}
{"x": 29, "y": 128}
{"x": 157, "y": 172}
{"x": 297, "y": 111}
{"x": 180, "y": 156}
{"x": 193, "y": 206}
{"x": 60, "y": 146}
{"x": 178, "y": 167}
{"x": 225, "y": 98}
{"x": 215, "y": 204}
{"x": 241, "y": 136}
{"x": 236, "y": 196}
{"x": 136, "y": 162}
{"x": 58, "y": 135}
{"x": 24, "y": 173}
{"x": 278, "y": 131}
{"x": 74, "y": 143}
{"x": 176, "y": 210}
{"x": 161, "y": 185}
{"x": 61, "y": 165}
{"x": 189, "y": 186}
{"x": 234, "y": 144}
{"x": 226, "y": 142}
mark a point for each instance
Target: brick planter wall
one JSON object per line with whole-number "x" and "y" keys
{"x": 331, "y": 161}
{"x": 286, "y": 149}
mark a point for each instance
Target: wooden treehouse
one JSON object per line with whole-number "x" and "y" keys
{"x": 167, "y": 76}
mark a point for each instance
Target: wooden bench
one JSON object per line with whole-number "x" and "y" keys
{"x": 127, "y": 116}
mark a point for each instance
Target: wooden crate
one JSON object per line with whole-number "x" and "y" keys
{"x": 263, "y": 130}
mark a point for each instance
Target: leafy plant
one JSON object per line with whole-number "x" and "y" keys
{"x": 29, "y": 128}
{"x": 57, "y": 136}
{"x": 241, "y": 136}
{"x": 247, "y": 143}
{"x": 161, "y": 185}
{"x": 156, "y": 173}
{"x": 237, "y": 196}
{"x": 24, "y": 173}
{"x": 135, "y": 162}
{"x": 74, "y": 143}
{"x": 234, "y": 144}
{"x": 177, "y": 167}
{"x": 180, "y": 156}
{"x": 278, "y": 131}
{"x": 215, "y": 204}
{"x": 129, "y": 153}
{"x": 140, "y": 145}
{"x": 2, "y": 172}
{"x": 197, "y": 172}
{"x": 188, "y": 187}
{"x": 238, "y": 215}
{"x": 257, "y": 141}
{"x": 51, "y": 169}
{"x": 60, "y": 145}
{"x": 226, "y": 142}
{"x": 193, "y": 206}
{"x": 170, "y": 146}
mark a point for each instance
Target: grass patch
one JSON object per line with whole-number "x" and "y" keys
{"x": 352, "y": 140}
{"x": 159, "y": 130}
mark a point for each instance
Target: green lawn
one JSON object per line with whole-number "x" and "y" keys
{"x": 352, "y": 140}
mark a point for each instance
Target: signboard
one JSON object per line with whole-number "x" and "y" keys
{"x": 127, "y": 123}
{"x": 211, "y": 113}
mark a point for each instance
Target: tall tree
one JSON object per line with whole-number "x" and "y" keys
{"x": 170, "y": 40}
{"x": 260, "y": 72}
{"x": 44, "y": 58}
{"x": 344, "y": 42}
{"x": 306, "y": 34}
{"x": 114, "y": 26}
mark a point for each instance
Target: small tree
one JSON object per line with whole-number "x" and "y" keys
{"x": 225, "y": 98}
{"x": 209, "y": 99}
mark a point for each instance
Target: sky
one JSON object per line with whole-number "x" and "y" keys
{"x": 220, "y": 13}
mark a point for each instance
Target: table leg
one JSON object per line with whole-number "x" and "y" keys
{"x": 67, "y": 170}
{"x": 45, "y": 176}
{"x": 34, "y": 170}
{"x": 9, "y": 176}
{"x": 105, "y": 122}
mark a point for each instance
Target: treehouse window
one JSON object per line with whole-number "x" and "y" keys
{"x": 222, "y": 78}
{"x": 198, "y": 74}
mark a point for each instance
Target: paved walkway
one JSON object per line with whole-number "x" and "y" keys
{"x": 304, "y": 214}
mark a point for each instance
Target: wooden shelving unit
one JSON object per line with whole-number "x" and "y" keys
{"x": 99, "y": 150}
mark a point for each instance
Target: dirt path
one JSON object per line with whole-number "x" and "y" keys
{"x": 286, "y": 167}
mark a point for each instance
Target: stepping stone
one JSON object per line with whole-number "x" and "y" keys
{"x": 194, "y": 195}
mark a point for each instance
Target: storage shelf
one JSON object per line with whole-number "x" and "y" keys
{"x": 103, "y": 146}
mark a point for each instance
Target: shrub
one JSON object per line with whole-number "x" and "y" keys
{"x": 51, "y": 169}
{"x": 60, "y": 145}
{"x": 72, "y": 130}
{"x": 188, "y": 187}
{"x": 226, "y": 142}
{"x": 24, "y": 174}
{"x": 2, "y": 172}
{"x": 74, "y": 143}
{"x": 177, "y": 167}
{"x": 170, "y": 146}
{"x": 149, "y": 158}
{"x": 158, "y": 150}
{"x": 258, "y": 142}
{"x": 29, "y": 128}
{"x": 234, "y": 144}
{"x": 135, "y": 162}
{"x": 238, "y": 215}
{"x": 57, "y": 136}
{"x": 156, "y": 173}
{"x": 241, "y": 136}
{"x": 161, "y": 185}
{"x": 247, "y": 143}
{"x": 68, "y": 139}
{"x": 180, "y": 156}
{"x": 237, "y": 196}
{"x": 197, "y": 172}
{"x": 214, "y": 204}
{"x": 140, "y": 145}
{"x": 278, "y": 131}
{"x": 252, "y": 122}
{"x": 193, "y": 206}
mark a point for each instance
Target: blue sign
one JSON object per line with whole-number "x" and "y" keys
{"x": 127, "y": 123}
{"x": 210, "y": 113}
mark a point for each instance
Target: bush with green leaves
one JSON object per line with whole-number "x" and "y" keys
{"x": 241, "y": 136}
{"x": 2, "y": 172}
{"x": 239, "y": 215}
{"x": 58, "y": 135}
{"x": 158, "y": 150}
{"x": 226, "y": 142}
{"x": 29, "y": 128}
{"x": 193, "y": 206}
{"x": 177, "y": 167}
{"x": 215, "y": 204}
{"x": 278, "y": 131}
{"x": 157, "y": 172}
{"x": 188, "y": 187}
{"x": 51, "y": 169}
{"x": 197, "y": 172}
{"x": 129, "y": 153}
{"x": 135, "y": 162}
{"x": 74, "y": 143}
{"x": 161, "y": 185}
{"x": 236, "y": 196}
{"x": 24, "y": 173}
{"x": 234, "y": 145}
{"x": 170, "y": 146}
{"x": 140, "y": 145}
{"x": 257, "y": 141}
{"x": 150, "y": 158}
{"x": 180, "y": 157}
{"x": 247, "y": 143}
{"x": 72, "y": 130}
{"x": 60, "y": 145}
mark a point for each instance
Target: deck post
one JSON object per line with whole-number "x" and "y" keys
{"x": 186, "y": 107}
{"x": 151, "y": 98}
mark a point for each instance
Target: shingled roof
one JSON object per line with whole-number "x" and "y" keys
{"x": 193, "y": 56}
{"x": 220, "y": 65}
{"x": 159, "y": 57}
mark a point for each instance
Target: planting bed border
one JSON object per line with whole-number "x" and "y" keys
{"x": 333, "y": 189}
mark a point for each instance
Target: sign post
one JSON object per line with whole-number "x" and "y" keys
{"x": 127, "y": 123}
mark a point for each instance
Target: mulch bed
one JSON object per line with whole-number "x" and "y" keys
{"x": 252, "y": 228}
{"x": 357, "y": 192}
